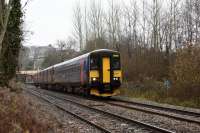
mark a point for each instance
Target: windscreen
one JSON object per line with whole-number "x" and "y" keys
{"x": 94, "y": 63}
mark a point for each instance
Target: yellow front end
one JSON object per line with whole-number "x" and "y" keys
{"x": 105, "y": 79}
{"x": 94, "y": 74}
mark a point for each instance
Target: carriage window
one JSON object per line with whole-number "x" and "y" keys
{"x": 94, "y": 63}
{"x": 116, "y": 63}
{"x": 85, "y": 66}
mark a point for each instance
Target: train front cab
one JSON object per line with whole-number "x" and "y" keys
{"x": 105, "y": 75}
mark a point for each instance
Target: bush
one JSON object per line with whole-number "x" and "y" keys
{"x": 144, "y": 63}
{"x": 15, "y": 86}
{"x": 149, "y": 89}
{"x": 16, "y": 116}
{"x": 185, "y": 73}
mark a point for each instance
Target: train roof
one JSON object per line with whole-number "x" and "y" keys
{"x": 80, "y": 57}
{"x": 104, "y": 50}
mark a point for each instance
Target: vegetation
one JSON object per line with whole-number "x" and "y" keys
{"x": 5, "y": 9}
{"x": 159, "y": 44}
{"x": 185, "y": 78}
{"x": 11, "y": 43}
{"x": 24, "y": 62}
{"x": 185, "y": 74}
{"x": 160, "y": 96}
{"x": 64, "y": 50}
{"x": 16, "y": 116}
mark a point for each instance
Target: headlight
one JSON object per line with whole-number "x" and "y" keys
{"x": 94, "y": 79}
{"x": 116, "y": 78}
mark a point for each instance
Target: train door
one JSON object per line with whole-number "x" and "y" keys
{"x": 106, "y": 69}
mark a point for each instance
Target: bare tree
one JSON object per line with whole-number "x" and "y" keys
{"x": 70, "y": 43}
{"x": 188, "y": 21}
{"x": 61, "y": 48}
{"x": 113, "y": 25}
{"x": 96, "y": 20}
{"x": 155, "y": 25}
{"x": 169, "y": 27}
{"x": 197, "y": 20}
{"x": 36, "y": 55}
{"x": 148, "y": 33}
{"x": 144, "y": 23}
{"x": 86, "y": 24}
{"x": 131, "y": 21}
{"x": 5, "y": 9}
{"x": 78, "y": 22}
{"x": 65, "y": 48}
{"x": 23, "y": 58}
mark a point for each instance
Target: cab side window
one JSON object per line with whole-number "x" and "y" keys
{"x": 116, "y": 63}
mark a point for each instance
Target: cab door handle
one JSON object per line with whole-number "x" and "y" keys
{"x": 108, "y": 70}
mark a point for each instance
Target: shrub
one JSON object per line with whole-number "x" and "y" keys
{"x": 144, "y": 63}
{"x": 149, "y": 89}
{"x": 15, "y": 86}
{"x": 16, "y": 116}
{"x": 185, "y": 73}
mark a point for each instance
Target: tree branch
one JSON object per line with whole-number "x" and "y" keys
{"x": 5, "y": 23}
{"x": 1, "y": 14}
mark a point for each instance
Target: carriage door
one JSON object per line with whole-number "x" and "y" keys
{"x": 106, "y": 69}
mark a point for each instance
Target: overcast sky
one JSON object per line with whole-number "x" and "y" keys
{"x": 50, "y": 20}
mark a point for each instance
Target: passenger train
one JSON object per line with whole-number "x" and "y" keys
{"x": 96, "y": 73}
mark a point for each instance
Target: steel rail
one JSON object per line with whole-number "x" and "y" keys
{"x": 176, "y": 112}
{"x": 71, "y": 113}
{"x": 156, "y": 113}
{"x": 181, "y": 118}
{"x": 115, "y": 115}
{"x": 185, "y": 112}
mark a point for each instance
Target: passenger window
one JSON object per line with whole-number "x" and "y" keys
{"x": 85, "y": 65}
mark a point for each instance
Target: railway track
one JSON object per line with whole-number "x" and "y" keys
{"x": 177, "y": 114}
{"x": 182, "y": 115}
{"x": 53, "y": 97}
{"x": 61, "y": 107}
